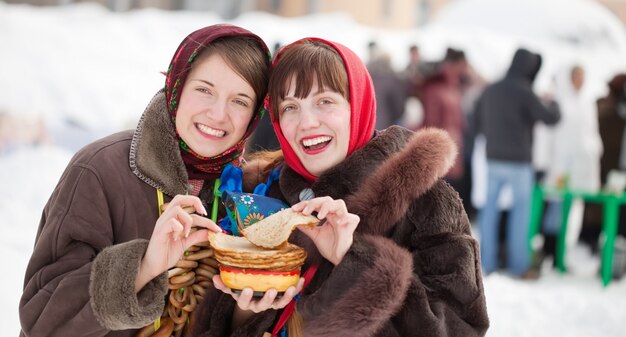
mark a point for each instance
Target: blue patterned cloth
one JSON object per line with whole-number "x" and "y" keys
{"x": 245, "y": 209}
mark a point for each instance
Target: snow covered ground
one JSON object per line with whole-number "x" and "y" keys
{"x": 86, "y": 72}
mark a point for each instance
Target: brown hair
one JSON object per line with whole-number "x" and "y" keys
{"x": 246, "y": 56}
{"x": 306, "y": 61}
{"x": 267, "y": 160}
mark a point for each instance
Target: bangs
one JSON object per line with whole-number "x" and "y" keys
{"x": 246, "y": 56}
{"x": 306, "y": 62}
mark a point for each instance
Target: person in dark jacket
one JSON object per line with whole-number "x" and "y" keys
{"x": 100, "y": 261}
{"x": 395, "y": 256}
{"x": 506, "y": 114}
{"x": 612, "y": 125}
{"x": 441, "y": 98}
{"x": 391, "y": 91}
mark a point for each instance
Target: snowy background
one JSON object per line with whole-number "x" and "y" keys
{"x": 69, "y": 75}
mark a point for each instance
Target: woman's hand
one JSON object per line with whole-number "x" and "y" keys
{"x": 334, "y": 237}
{"x": 171, "y": 237}
{"x": 248, "y": 306}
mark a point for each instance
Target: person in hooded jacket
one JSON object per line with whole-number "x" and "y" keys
{"x": 101, "y": 255}
{"x": 395, "y": 255}
{"x": 506, "y": 114}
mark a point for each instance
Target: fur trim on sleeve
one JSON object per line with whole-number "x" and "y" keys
{"x": 362, "y": 293}
{"x": 427, "y": 157}
{"x": 112, "y": 288}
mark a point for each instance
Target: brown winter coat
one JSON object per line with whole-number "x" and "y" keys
{"x": 94, "y": 231}
{"x": 413, "y": 269}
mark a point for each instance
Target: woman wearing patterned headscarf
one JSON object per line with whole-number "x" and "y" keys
{"x": 103, "y": 247}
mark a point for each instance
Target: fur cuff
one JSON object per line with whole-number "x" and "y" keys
{"x": 112, "y": 288}
{"x": 363, "y": 291}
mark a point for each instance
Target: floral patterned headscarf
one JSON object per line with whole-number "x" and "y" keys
{"x": 199, "y": 167}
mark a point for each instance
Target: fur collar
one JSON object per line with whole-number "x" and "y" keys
{"x": 379, "y": 181}
{"x": 154, "y": 151}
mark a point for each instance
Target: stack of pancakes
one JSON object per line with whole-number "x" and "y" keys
{"x": 269, "y": 262}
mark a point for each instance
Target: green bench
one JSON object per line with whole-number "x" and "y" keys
{"x": 610, "y": 217}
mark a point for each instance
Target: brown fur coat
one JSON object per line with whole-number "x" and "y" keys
{"x": 413, "y": 269}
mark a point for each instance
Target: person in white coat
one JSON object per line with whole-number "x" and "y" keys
{"x": 575, "y": 151}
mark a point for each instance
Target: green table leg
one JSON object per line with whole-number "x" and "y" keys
{"x": 611, "y": 216}
{"x": 560, "y": 242}
{"x": 535, "y": 217}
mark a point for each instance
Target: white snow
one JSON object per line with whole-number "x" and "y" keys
{"x": 86, "y": 72}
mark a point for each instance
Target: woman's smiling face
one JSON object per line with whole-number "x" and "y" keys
{"x": 215, "y": 107}
{"x": 317, "y": 127}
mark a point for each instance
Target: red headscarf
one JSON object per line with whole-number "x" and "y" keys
{"x": 199, "y": 167}
{"x": 362, "y": 107}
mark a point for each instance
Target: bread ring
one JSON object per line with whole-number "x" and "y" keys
{"x": 175, "y": 301}
{"x": 198, "y": 290}
{"x": 208, "y": 268}
{"x": 191, "y": 306}
{"x": 166, "y": 328}
{"x": 200, "y": 254}
{"x": 181, "y": 285}
{"x": 187, "y": 264}
{"x": 206, "y": 273}
{"x": 205, "y": 284}
{"x": 182, "y": 295}
{"x": 175, "y": 272}
{"x": 200, "y": 278}
{"x": 172, "y": 311}
{"x": 192, "y": 301}
{"x": 199, "y": 298}
{"x": 210, "y": 261}
{"x": 192, "y": 249}
{"x": 146, "y": 331}
{"x": 178, "y": 328}
{"x": 180, "y": 279}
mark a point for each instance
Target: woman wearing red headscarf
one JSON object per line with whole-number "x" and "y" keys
{"x": 395, "y": 256}
{"x": 102, "y": 250}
